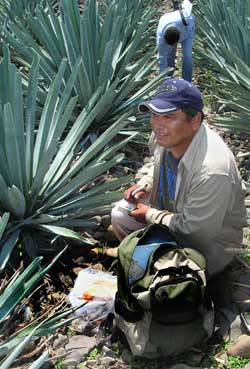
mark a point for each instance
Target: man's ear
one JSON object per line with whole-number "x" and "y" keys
{"x": 196, "y": 121}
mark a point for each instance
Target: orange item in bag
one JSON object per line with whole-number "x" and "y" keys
{"x": 86, "y": 296}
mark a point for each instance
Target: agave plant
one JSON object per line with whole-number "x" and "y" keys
{"x": 116, "y": 43}
{"x": 19, "y": 9}
{"x": 50, "y": 180}
{"x": 223, "y": 41}
{"x": 12, "y": 295}
{"x": 13, "y": 291}
{"x": 13, "y": 9}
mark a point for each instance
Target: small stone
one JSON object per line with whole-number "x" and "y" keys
{"x": 247, "y": 366}
{"x": 60, "y": 352}
{"x": 236, "y": 328}
{"x": 91, "y": 363}
{"x": 60, "y": 341}
{"x": 81, "y": 366}
{"x": 121, "y": 364}
{"x": 222, "y": 357}
{"x": 77, "y": 349}
{"x": 108, "y": 352}
{"x": 107, "y": 361}
{"x": 241, "y": 347}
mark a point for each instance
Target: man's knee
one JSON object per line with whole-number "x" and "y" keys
{"x": 118, "y": 214}
{"x": 122, "y": 223}
{"x": 119, "y": 220}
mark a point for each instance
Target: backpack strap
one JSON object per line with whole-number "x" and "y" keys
{"x": 182, "y": 270}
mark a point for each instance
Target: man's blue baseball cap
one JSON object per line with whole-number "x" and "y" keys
{"x": 173, "y": 94}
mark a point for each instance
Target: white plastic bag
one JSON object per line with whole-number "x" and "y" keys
{"x": 98, "y": 289}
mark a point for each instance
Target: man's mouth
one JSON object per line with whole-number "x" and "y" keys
{"x": 160, "y": 135}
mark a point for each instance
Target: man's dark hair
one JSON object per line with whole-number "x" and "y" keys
{"x": 190, "y": 113}
{"x": 172, "y": 35}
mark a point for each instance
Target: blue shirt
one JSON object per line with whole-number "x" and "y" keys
{"x": 168, "y": 176}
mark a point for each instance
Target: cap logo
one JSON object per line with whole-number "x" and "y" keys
{"x": 154, "y": 109}
{"x": 166, "y": 88}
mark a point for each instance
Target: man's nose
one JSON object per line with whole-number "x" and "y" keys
{"x": 159, "y": 121}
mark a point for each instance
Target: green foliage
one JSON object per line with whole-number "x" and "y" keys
{"x": 18, "y": 8}
{"x": 223, "y": 43}
{"x": 94, "y": 353}
{"x": 58, "y": 364}
{"x": 12, "y": 295}
{"x": 237, "y": 362}
{"x": 13, "y": 10}
{"x": 246, "y": 257}
{"x": 13, "y": 291}
{"x": 48, "y": 172}
{"x": 114, "y": 41}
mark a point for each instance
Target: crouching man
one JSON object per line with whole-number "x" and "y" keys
{"x": 193, "y": 185}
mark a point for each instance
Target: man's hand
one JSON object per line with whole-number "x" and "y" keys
{"x": 132, "y": 198}
{"x": 140, "y": 212}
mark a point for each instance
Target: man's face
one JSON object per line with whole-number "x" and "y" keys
{"x": 174, "y": 131}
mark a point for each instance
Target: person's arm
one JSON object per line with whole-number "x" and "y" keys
{"x": 203, "y": 214}
{"x": 147, "y": 170}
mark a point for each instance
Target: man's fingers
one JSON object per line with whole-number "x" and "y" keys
{"x": 140, "y": 194}
{"x": 128, "y": 194}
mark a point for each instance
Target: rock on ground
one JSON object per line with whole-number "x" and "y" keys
{"x": 241, "y": 347}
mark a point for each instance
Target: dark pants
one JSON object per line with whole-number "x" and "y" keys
{"x": 231, "y": 288}
{"x": 230, "y": 292}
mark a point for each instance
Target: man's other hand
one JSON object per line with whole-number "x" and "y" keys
{"x": 140, "y": 212}
{"x": 132, "y": 198}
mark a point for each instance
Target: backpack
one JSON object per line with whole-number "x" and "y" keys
{"x": 161, "y": 305}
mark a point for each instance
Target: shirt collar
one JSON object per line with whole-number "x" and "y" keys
{"x": 189, "y": 156}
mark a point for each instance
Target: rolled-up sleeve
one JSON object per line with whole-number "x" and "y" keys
{"x": 149, "y": 168}
{"x": 147, "y": 178}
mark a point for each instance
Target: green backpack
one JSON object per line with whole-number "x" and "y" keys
{"x": 161, "y": 305}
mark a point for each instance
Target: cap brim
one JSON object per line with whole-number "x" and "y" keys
{"x": 157, "y": 106}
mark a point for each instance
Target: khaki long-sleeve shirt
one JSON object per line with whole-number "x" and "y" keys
{"x": 209, "y": 201}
